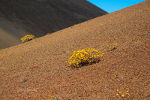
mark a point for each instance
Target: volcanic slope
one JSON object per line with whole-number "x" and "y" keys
{"x": 30, "y": 15}
{"x": 37, "y": 69}
{"x": 39, "y": 17}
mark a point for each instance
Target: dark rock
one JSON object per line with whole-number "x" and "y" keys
{"x": 40, "y": 17}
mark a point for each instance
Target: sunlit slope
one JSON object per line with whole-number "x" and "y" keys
{"x": 37, "y": 69}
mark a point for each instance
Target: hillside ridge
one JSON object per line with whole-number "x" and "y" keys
{"x": 40, "y": 17}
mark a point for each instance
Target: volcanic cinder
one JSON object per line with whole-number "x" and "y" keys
{"x": 36, "y": 70}
{"x": 39, "y": 17}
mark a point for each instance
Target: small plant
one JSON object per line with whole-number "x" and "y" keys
{"x": 123, "y": 94}
{"x": 116, "y": 75}
{"x": 27, "y": 38}
{"x": 49, "y": 97}
{"x": 84, "y": 56}
{"x": 112, "y": 46}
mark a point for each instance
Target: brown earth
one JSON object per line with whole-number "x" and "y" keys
{"x": 37, "y": 70}
{"x": 39, "y": 17}
{"x": 9, "y": 34}
{"x": 11, "y": 40}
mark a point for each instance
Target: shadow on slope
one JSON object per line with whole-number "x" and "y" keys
{"x": 40, "y": 17}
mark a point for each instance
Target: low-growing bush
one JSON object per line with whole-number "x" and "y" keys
{"x": 84, "y": 57}
{"x": 27, "y": 38}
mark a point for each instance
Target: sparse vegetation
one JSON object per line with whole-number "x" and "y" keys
{"x": 112, "y": 46}
{"x": 116, "y": 75}
{"x": 123, "y": 94}
{"x": 27, "y": 38}
{"x": 84, "y": 56}
{"x": 49, "y": 97}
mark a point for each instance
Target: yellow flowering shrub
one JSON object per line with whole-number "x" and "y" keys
{"x": 84, "y": 56}
{"x": 27, "y": 38}
{"x": 123, "y": 94}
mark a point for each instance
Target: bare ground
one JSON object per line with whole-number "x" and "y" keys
{"x": 37, "y": 70}
{"x": 40, "y": 17}
{"x": 7, "y": 40}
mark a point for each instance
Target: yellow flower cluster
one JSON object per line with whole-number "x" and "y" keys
{"x": 84, "y": 56}
{"x": 115, "y": 44}
{"x": 27, "y": 38}
{"x": 123, "y": 94}
{"x": 49, "y": 97}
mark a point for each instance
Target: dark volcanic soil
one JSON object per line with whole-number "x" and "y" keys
{"x": 39, "y": 17}
{"x": 45, "y": 16}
